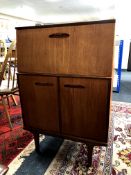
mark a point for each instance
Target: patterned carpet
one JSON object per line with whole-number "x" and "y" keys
{"x": 71, "y": 158}
{"x": 12, "y": 142}
{"x": 121, "y": 162}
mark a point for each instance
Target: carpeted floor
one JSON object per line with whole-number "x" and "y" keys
{"x": 121, "y": 161}
{"x": 71, "y": 158}
{"x": 12, "y": 142}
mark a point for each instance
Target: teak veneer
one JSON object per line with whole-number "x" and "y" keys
{"x": 65, "y": 80}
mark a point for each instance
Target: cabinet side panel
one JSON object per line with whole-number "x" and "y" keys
{"x": 87, "y": 50}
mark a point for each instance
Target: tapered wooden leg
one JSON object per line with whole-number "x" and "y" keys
{"x": 37, "y": 144}
{"x": 90, "y": 151}
{"x": 8, "y": 101}
{"x": 6, "y": 112}
{"x": 14, "y": 100}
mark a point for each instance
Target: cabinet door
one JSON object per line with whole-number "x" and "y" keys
{"x": 39, "y": 102}
{"x": 78, "y": 49}
{"x": 85, "y": 107}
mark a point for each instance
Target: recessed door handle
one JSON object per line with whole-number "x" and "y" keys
{"x": 73, "y": 86}
{"x": 59, "y": 35}
{"x": 43, "y": 84}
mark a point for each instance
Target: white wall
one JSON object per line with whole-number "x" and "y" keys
{"x": 8, "y": 24}
{"x": 122, "y": 15}
{"x": 123, "y": 27}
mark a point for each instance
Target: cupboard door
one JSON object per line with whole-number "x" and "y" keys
{"x": 39, "y": 102}
{"x": 78, "y": 49}
{"x": 85, "y": 107}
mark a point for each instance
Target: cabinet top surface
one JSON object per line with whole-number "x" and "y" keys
{"x": 67, "y": 24}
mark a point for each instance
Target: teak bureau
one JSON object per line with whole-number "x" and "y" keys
{"x": 65, "y": 80}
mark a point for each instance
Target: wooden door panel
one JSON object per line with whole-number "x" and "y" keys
{"x": 84, "y": 107}
{"x": 40, "y": 104}
{"x": 86, "y": 50}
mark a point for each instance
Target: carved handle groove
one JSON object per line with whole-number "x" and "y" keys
{"x": 73, "y": 86}
{"x": 59, "y": 35}
{"x": 43, "y": 84}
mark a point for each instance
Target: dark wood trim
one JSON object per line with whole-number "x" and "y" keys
{"x": 59, "y": 104}
{"x": 49, "y": 133}
{"x": 90, "y": 151}
{"x": 22, "y": 105}
{"x": 108, "y": 107}
{"x": 63, "y": 75}
{"x": 67, "y": 24}
{"x": 37, "y": 143}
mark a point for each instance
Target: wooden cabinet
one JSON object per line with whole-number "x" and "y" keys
{"x": 65, "y": 79}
